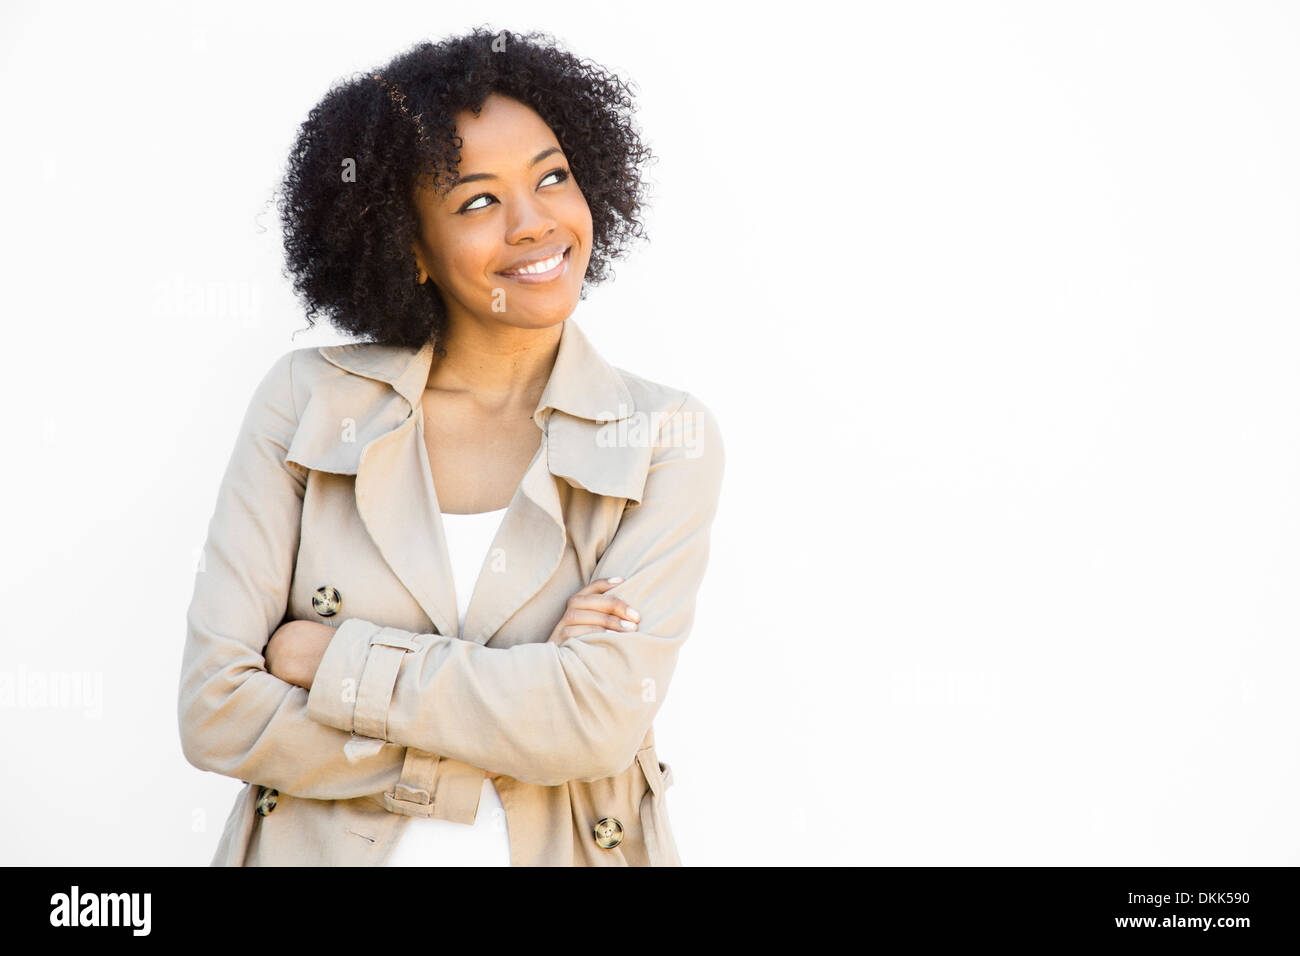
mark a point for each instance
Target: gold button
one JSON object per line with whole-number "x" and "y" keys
{"x": 609, "y": 833}
{"x": 326, "y": 601}
{"x": 266, "y": 800}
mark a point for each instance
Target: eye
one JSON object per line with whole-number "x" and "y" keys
{"x": 469, "y": 206}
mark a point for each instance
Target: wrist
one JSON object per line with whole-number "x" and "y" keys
{"x": 313, "y": 642}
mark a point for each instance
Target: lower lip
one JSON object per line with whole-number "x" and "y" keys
{"x": 538, "y": 277}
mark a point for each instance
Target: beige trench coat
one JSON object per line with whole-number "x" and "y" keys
{"x": 327, "y": 512}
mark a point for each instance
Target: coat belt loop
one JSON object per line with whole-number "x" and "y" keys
{"x": 413, "y": 795}
{"x": 378, "y": 678}
{"x": 437, "y": 787}
{"x": 457, "y": 791}
{"x": 650, "y": 766}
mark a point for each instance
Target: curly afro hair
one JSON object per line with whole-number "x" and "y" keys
{"x": 348, "y": 243}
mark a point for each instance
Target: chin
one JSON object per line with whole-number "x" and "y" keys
{"x": 530, "y": 321}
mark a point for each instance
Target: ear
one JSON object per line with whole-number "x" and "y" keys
{"x": 421, "y": 270}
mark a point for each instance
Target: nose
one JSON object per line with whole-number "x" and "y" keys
{"x": 529, "y": 219}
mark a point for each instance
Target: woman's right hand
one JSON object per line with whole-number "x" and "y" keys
{"x": 590, "y": 610}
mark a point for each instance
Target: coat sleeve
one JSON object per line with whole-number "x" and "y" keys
{"x": 236, "y": 718}
{"x": 541, "y": 712}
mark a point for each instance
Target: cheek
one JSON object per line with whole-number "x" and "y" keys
{"x": 576, "y": 216}
{"x": 584, "y": 214}
{"x": 467, "y": 264}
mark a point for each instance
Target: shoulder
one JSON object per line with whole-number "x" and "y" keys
{"x": 311, "y": 370}
{"x": 310, "y": 399}
{"x": 679, "y": 425}
{"x": 667, "y": 405}
{"x": 325, "y": 365}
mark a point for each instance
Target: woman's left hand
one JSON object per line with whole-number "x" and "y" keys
{"x": 295, "y": 650}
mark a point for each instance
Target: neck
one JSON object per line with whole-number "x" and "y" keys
{"x": 499, "y": 366}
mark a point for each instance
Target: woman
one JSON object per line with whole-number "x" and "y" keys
{"x": 450, "y": 568}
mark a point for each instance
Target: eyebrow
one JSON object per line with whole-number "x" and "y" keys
{"x": 474, "y": 177}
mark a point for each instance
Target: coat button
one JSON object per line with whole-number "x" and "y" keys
{"x": 266, "y": 800}
{"x": 609, "y": 833}
{"x": 326, "y": 601}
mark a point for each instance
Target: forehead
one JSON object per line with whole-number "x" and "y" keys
{"x": 502, "y": 138}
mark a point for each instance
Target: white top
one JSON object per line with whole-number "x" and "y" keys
{"x": 428, "y": 842}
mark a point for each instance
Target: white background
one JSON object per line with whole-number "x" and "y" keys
{"x": 995, "y": 303}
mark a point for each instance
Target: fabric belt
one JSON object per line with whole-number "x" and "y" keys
{"x": 437, "y": 787}
{"x": 430, "y": 785}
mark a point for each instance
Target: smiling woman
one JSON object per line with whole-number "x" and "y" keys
{"x": 515, "y": 236}
{"x": 555, "y": 130}
{"x": 445, "y": 585}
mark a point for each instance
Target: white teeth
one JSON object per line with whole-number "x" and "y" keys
{"x": 544, "y": 266}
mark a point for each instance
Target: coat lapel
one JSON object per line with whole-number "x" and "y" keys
{"x": 370, "y": 424}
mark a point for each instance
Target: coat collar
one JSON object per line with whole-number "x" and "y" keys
{"x": 582, "y": 383}
{"x": 367, "y": 424}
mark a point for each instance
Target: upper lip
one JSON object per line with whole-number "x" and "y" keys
{"x": 535, "y": 257}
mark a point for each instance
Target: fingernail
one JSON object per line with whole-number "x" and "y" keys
{"x": 632, "y": 613}
{"x": 615, "y": 580}
{"x": 629, "y": 625}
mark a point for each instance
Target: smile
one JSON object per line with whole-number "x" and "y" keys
{"x": 544, "y": 270}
